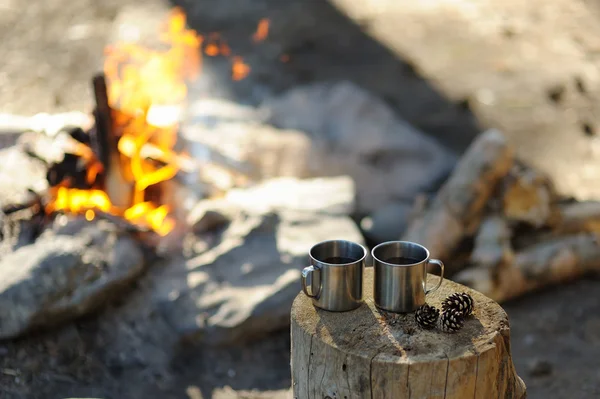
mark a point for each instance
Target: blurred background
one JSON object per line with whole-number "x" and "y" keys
{"x": 388, "y": 93}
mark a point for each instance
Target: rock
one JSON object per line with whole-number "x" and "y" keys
{"x": 19, "y": 228}
{"x": 209, "y": 220}
{"x": 331, "y": 196}
{"x": 269, "y": 152}
{"x": 14, "y": 186}
{"x": 387, "y": 158}
{"x": 387, "y": 223}
{"x": 354, "y": 133}
{"x": 19, "y": 231}
{"x": 8, "y": 139}
{"x": 61, "y": 277}
{"x": 211, "y": 112}
{"x": 241, "y": 287}
{"x": 51, "y": 124}
{"x": 540, "y": 368}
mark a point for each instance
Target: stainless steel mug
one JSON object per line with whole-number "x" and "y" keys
{"x": 401, "y": 275}
{"x": 334, "y": 280}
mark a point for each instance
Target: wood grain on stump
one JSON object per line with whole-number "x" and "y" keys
{"x": 367, "y": 353}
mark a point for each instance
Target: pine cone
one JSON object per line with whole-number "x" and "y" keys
{"x": 427, "y": 316}
{"x": 451, "y": 321}
{"x": 460, "y": 302}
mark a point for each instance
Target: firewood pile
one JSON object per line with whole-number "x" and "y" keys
{"x": 502, "y": 228}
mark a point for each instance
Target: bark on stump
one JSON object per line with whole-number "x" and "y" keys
{"x": 367, "y": 353}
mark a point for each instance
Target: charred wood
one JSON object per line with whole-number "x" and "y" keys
{"x": 104, "y": 140}
{"x": 77, "y": 133}
{"x": 117, "y": 187}
{"x": 73, "y": 169}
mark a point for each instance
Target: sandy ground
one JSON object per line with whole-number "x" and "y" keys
{"x": 49, "y": 51}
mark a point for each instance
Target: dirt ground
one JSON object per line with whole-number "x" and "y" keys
{"x": 49, "y": 51}
{"x": 555, "y": 345}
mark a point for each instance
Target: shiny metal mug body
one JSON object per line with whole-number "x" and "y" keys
{"x": 400, "y": 269}
{"x": 334, "y": 280}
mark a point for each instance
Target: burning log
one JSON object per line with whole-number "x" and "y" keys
{"x": 457, "y": 210}
{"x": 105, "y": 142}
{"x": 77, "y": 133}
{"x": 119, "y": 190}
{"x": 121, "y": 168}
{"x": 73, "y": 168}
{"x": 219, "y": 172}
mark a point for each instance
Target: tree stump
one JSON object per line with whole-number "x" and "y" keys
{"x": 372, "y": 354}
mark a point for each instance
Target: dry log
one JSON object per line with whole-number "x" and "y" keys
{"x": 492, "y": 243}
{"x": 529, "y": 196}
{"x": 572, "y": 218}
{"x": 458, "y": 207}
{"x": 555, "y": 261}
{"x": 369, "y": 354}
{"x": 579, "y": 217}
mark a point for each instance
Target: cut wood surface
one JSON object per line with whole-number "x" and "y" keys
{"x": 371, "y": 354}
{"x": 529, "y": 196}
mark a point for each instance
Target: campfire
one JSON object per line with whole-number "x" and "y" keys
{"x": 118, "y": 168}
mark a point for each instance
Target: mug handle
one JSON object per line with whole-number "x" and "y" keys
{"x": 441, "y": 265}
{"x": 308, "y": 280}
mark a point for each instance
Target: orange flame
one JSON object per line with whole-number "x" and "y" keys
{"x": 148, "y": 87}
{"x": 211, "y": 50}
{"x": 146, "y": 90}
{"x": 79, "y": 201}
{"x": 239, "y": 69}
{"x": 262, "y": 30}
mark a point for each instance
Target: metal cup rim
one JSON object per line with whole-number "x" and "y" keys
{"x": 361, "y": 259}
{"x": 376, "y": 259}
